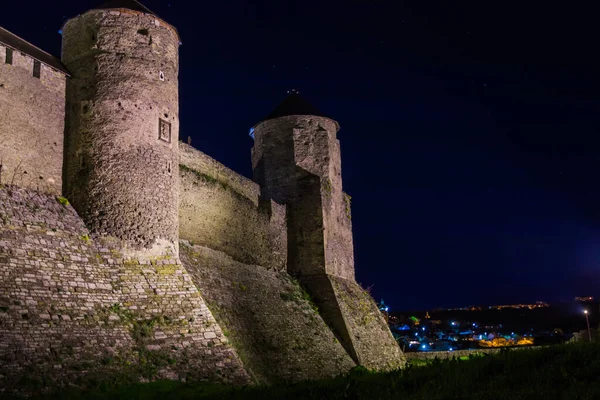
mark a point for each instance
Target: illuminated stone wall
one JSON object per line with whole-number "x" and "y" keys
{"x": 75, "y": 310}
{"x": 276, "y": 330}
{"x": 32, "y": 114}
{"x": 222, "y": 210}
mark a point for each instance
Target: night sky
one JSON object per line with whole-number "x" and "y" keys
{"x": 468, "y": 129}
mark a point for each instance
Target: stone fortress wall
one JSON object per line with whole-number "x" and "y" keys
{"x": 74, "y": 309}
{"x": 99, "y": 289}
{"x": 31, "y": 122}
{"x": 222, "y": 210}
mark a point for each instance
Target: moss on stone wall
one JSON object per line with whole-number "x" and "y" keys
{"x": 74, "y": 311}
{"x": 270, "y": 319}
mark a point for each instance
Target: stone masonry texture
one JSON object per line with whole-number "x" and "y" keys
{"x": 31, "y": 124}
{"x": 122, "y": 127}
{"x": 222, "y": 210}
{"x": 93, "y": 286}
{"x": 274, "y": 327}
{"x": 73, "y": 309}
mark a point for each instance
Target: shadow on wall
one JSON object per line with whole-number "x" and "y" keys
{"x": 272, "y": 323}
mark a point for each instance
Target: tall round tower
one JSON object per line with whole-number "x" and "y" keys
{"x": 122, "y": 125}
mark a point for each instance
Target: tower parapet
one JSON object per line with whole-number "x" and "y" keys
{"x": 121, "y": 166}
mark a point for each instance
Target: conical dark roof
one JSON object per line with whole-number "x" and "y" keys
{"x": 294, "y": 104}
{"x": 128, "y": 4}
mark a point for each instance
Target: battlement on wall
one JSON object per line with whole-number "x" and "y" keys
{"x": 222, "y": 210}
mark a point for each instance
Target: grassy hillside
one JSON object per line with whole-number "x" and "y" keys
{"x": 560, "y": 372}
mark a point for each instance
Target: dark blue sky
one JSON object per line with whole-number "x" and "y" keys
{"x": 469, "y": 129}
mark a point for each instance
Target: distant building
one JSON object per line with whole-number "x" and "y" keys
{"x": 587, "y": 298}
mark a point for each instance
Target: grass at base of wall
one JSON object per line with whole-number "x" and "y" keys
{"x": 561, "y": 372}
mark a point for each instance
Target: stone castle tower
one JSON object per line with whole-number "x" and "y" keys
{"x": 296, "y": 160}
{"x": 121, "y": 165}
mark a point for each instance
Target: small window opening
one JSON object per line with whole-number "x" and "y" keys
{"x": 143, "y": 31}
{"x": 9, "y": 56}
{"x": 169, "y": 166}
{"x": 161, "y": 76}
{"x": 37, "y": 69}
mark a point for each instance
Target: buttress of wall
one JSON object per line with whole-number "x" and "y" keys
{"x": 32, "y": 114}
{"x": 222, "y": 210}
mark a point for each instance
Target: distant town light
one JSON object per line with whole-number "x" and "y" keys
{"x": 451, "y": 349}
{"x": 585, "y": 311}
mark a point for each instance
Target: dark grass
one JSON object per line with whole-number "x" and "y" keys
{"x": 559, "y": 372}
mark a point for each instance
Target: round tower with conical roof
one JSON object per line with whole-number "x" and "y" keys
{"x": 296, "y": 161}
{"x": 122, "y": 125}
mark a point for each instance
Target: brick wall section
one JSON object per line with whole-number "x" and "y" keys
{"x": 121, "y": 178}
{"x": 72, "y": 308}
{"x": 273, "y": 327}
{"x": 220, "y": 209}
{"x": 31, "y": 123}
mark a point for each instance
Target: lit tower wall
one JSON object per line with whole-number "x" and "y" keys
{"x": 122, "y": 125}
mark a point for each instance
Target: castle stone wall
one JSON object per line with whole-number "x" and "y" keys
{"x": 31, "y": 123}
{"x": 73, "y": 309}
{"x": 122, "y": 127}
{"x": 220, "y": 209}
{"x": 197, "y": 160}
{"x": 269, "y": 319}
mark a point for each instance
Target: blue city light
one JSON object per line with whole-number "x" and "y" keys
{"x": 60, "y": 31}
{"x": 252, "y": 136}
{"x": 424, "y": 346}
{"x": 451, "y": 349}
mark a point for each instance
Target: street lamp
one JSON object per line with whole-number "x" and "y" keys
{"x": 588, "y": 324}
